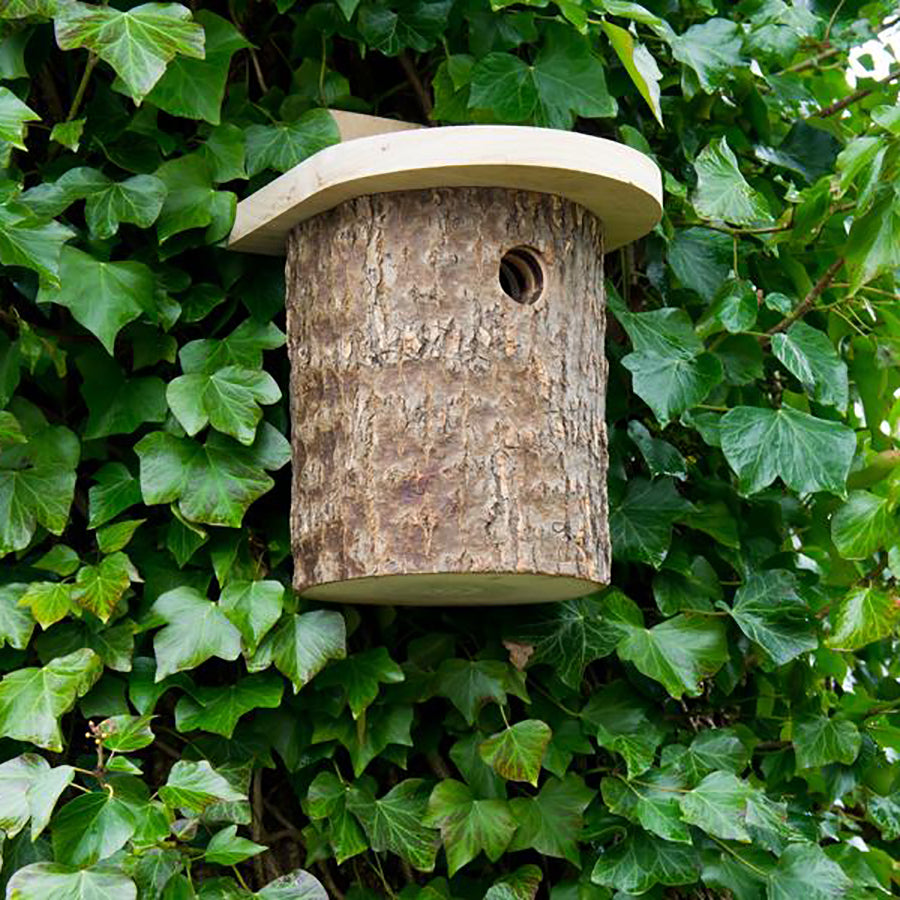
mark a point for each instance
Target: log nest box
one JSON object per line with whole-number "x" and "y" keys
{"x": 445, "y": 318}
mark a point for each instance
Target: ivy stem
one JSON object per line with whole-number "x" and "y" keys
{"x": 93, "y": 59}
{"x": 807, "y": 303}
{"x": 739, "y": 858}
{"x": 240, "y": 878}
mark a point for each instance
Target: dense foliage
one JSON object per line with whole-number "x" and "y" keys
{"x": 174, "y": 723}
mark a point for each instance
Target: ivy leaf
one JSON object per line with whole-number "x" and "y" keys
{"x": 639, "y": 861}
{"x": 99, "y": 588}
{"x": 679, "y": 653}
{"x": 819, "y": 740}
{"x": 718, "y": 805}
{"x": 551, "y": 822}
{"x": 622, "y": 723}
{"x": 360, "y": 676}
{"x": 49, "y": 601}
{"x": 125, "y": 734}
{"x": 16, "y": 623}
{"x": 194, "y": 88}
{"x": 226, "y": 399}
{"x": 243, "y": 347}
{"x": 102, "y": 296}
{"x": 884, "y": 812}
{"x": 395, "y": 822}
{"x": 522, "y": 884}
{"x": 118, "y": 535}
{"x": 809, "y": 355}
{"x": 715, "y": 748}
{"x": 214, "y": 482}
{"x": 768, "y": 609}
{"x": 301, "y": 645}
{"x": 571, "y": 634}
{"x": 137, "y": 200}
{"x": 873, "y": 242}
{"x": 639, "y": 63}
{"x": 92, "y": 827}
{"x": 192, "y": 201}
{"x": 297, "y": 885}
{"x": 29, "y": 242}
{"x": 467, "y": 825}
{"x": 805, "y": 871}
{"x": 68, "y": 134}
{"x": 863, "y": 525}
{"x": 383, "y": 727}
{"x": 51, "y": 880}
{"x": 865, "y": 615}
{"x": 281, "y": 147}
{"x": 712, "y": 49}
{"x": 408, "y": 24}
{"x": 194, "y": 786}
{"x": 138, "y": 43}
{"x": 32, "y": 700}
{"x": 809, "y": 454}
{"x": 651, "y": 802}
{"x": 722, "y": 193}
{"x": 640, "y": 523}
{"x": 516, "y": 752}
{"x": 469, "y": 684}
{"x": 196, "y": 630}
{"x": 16, "y": 777}
{"x": 326, "y": 800}
{"x": 115, "y": 491}
{"x": 218, "y": 709}
{"x": 253, "y": 607}
{"x": 45, "y": 789}
{"x": 659, "y": 455}
{"x": 701, "y": 260}
{"x": 14, "y": 115}
{"x": 669, "y": 384}
{"x": 225, "y": 848}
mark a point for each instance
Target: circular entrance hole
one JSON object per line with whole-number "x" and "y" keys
{"x": 522, "y": 274}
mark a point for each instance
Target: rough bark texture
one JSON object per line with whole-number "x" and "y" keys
{"x": 439, "y": 427}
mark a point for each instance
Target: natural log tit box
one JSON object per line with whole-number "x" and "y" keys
{"x": 445, "y": 316}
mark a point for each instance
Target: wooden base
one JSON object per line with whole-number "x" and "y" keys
{"x": 452, "y": 589}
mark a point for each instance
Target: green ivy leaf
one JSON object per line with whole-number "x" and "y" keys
{"x": 873, "y": 242}
{"x": 16, "y": 777}
{"x": 227, "y": 399}
{"x": 768, "y": 609}
{"x": 805, "y": 871}
{"x": 118, "y": 535}
{"x": 718, "y": 805}
{"x": 679, "y": 653}
{"x": 640, "y": 65}
{"x": 214, "y": 482}
{"x": 16, "y": 623}
{"x": 651, "y": 802}
{"x": 863, "y": 525}
{"x": 395, "y": 822}
{"x": 809, "y": 454}
{"x": 326, "y": 801}
{"x": 416, "y": 24}
{"x": 196, "y": 630}
{"x": 45, "y": 789}
{"x": 574, "y": 633}
{"x": 551, "y": 822}
{"x": 715, "y": 748}
{"x": 125, "y": 734}
{"x": 469, "y": 684}
{"x": 809, "y": 355}
{"x": 102, "y": 296}
{"x": 383, "y": 727}
{"x": 14, "y": 116}
{"x": 91, "y": 827}
{"x": 360, "y": 676}
{"x": 99, "y": 588}
{"x": 301, "y": 645}
{"x": 225, "y": 848}
{"x": 115, "y": 491}
{"x": 253, "y": 607}
{"x": 32, "y": 243}
{"x": 639, "y": 861}
{"x": 819, "y": 740}
{"x": 137, "y": 200}
{"x": 640, "y": 523}
{"x": 49, "y": 601}
{"x": 865, "y": 615}
{"x": 192, "y": 201}
{"x": 712, "y": 49}
{"x": 55, "y": 881}
{"x": 138, "y": 43}
{"x": 516, "y": 753}
{"x": 701, "y": 260}
{"x": 297, "y": 885}
{"x": 659, "y": 455}
{"x": 723, "y": 194}
{"x": 243, "y": 347}
{"x": 194, "y": 786}
{"x": 32, "y": 700}
{"x": 622, "y": 723}
{"x": 218, "y": 709}
{"x": 467, "y": 825}
{"x": 281, "y": 147}
{"x": 195, "y": 87}
{"x": 68, "y": 134}
{"x": 669, "y": 385}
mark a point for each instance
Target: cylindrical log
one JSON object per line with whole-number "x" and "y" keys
{"x": 449, "y": 441}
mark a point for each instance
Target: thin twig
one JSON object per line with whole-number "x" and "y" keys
{"x": 412, "y": 76}
{"x": 840, "y": 105}
{"x": 258, "y": 70}
{"x": 807, "y": 303}
{"x": 812, "y": 61}
{"x": 82, "y": 86}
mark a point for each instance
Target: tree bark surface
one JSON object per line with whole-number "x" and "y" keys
{"x": 449, "y": 442}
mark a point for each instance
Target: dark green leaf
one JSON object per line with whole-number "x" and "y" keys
{"x": 640, "y": 861}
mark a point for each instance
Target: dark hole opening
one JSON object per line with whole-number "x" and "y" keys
{"x": 522, "y": 275}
